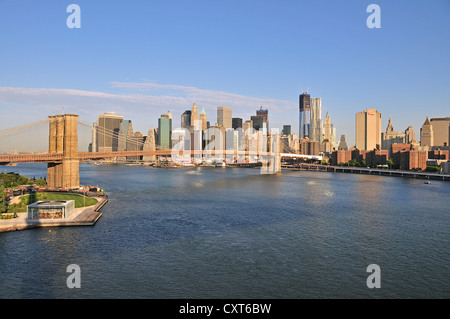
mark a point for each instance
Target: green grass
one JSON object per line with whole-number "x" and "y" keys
{"x": 79, "y": 199}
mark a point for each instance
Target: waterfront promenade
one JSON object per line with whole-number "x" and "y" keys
{"x": 368, "y": 171}
{"x": 84, "y": 216}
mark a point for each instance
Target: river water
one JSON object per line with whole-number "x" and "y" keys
{"x": 233, "y": 233}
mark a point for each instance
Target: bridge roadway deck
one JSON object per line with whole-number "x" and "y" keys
{"x": 58, "y": 157}
{"x": 85, "y": 216}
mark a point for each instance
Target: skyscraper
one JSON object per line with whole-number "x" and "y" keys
{"x": 125, "y": 132}
{"x": 247, "y": 125}
{"x": 203, "y": 120}
{"x": 194, "y": 118}
{"x": 150, "y": 145}
{"x": 236, "y": 122}
{"x": 327, "y": 134}
{"x": 327, "y": 140}
{"x": 109, "y": 125}
{"x": 224, "y": 116}
{"x": 94, "y": 146}
{"x": 441, "y": 131}
{"x": 135, "y": 142}
{"x": 391, "y": 137}
{"x": 343, "y": 143}
{"x": 286, "y": 130}
{"x": 315, "y": 133}
{"x": 257, "y": 121}
{"x": 368, "y": 129}
{"x": 186, "y": 119}
{"x": 304, "y": 117}
{"x": 426, "y": 134}
{"x": 165, "y": 131}
{"x": 264, "y": 114}
{"x": 410, "y": 135}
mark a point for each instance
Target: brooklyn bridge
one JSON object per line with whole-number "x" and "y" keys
{"x": 63, "y": 153}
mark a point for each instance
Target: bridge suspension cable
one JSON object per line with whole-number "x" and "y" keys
{"x": 118, "y": 136}
{"x": 28, "y": 138}
{"x": 23, "y": 127}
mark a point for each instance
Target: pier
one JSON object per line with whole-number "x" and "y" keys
{"x": 84, "y": 216}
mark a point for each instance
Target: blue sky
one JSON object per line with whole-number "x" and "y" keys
{"x": 142, "y": 58}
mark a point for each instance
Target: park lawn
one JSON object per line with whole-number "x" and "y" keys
{"x": 79, "y": 200}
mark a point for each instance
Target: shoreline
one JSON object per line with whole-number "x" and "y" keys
{"x": 370, "y": 171}
{"x": 84, "y": 216}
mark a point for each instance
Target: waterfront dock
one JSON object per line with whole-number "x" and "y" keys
{"x": 84, "y": 216}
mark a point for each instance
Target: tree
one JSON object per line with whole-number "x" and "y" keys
{"x": 41, "y": 182}
{"x": 390, "y": 162}
{"x": 433, "y": 169}
{"x": 363, "y": 163}
{"x": 353, "y": 163}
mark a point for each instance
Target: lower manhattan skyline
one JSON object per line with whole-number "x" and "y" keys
{"x": 349, "y": 66}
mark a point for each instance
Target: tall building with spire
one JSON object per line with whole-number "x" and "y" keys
{"x": 326, "y": 140}
{"x": 426, "y": 134}
{"x": 343, "y": 143}
{"x": 203, "y": 120}
{"x": 391, "y": 137}
{"x": 327, "y": 133}
{"x": 316, "y": 125}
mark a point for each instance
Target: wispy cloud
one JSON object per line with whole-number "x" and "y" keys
{"x": 211, "y": 98}
{"x": 138, "y": 101}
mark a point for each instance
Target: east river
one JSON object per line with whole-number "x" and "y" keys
{"x": 233, "y": 233}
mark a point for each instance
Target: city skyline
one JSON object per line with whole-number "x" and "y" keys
{"x": 48, "y": 68}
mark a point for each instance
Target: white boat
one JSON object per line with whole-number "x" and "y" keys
{"x": 188, "y": 164}
{"x": 221, "y": 164}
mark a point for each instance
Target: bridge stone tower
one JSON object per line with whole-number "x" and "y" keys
{"x": 63, "y": 139}
{"x": 272, "y": 164}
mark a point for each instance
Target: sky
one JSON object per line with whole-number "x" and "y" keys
{"x": 143, "y": 58}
